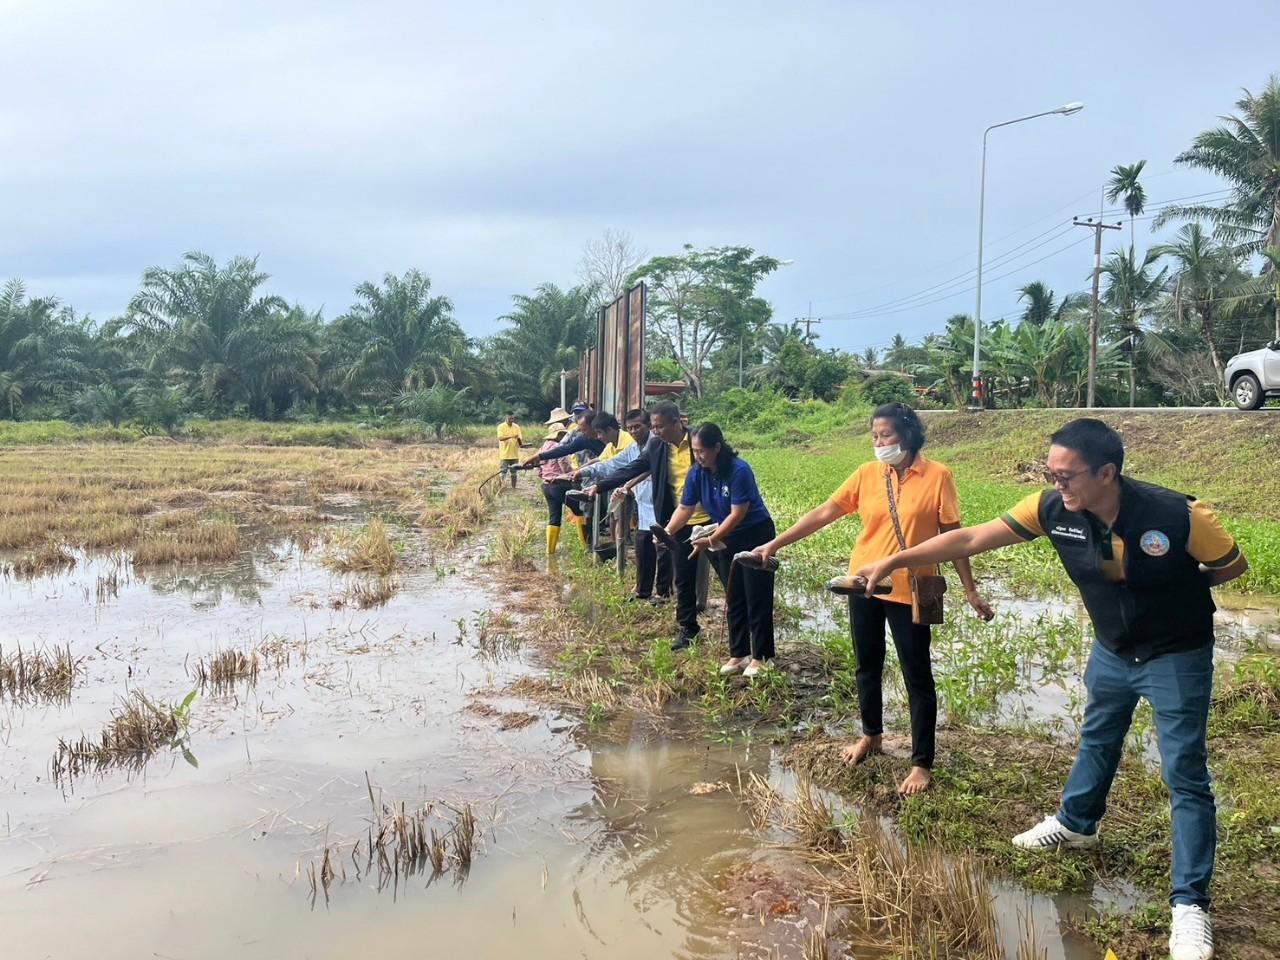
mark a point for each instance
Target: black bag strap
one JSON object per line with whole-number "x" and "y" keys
{"x": 893, "y": 508}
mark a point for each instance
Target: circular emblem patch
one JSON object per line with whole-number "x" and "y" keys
{"x": 1154, "y": 543}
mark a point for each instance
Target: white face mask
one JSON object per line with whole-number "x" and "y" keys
{"x": 892, "y": 454}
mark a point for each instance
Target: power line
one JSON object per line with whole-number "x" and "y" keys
{"x": 969, "y": 289}
{"x": 1154, "y": 208}
{"x": 902, "y": 304}
{"x": 1058, "y": 231}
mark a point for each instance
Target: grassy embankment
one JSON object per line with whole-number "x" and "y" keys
{"x": 995, "y": 775}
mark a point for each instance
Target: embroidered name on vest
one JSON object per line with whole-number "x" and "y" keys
{"x": 1067, "y": 531}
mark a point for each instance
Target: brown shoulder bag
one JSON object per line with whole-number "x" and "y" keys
{"x": 926, "y": 591}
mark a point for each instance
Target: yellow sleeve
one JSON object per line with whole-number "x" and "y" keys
{"x": 1208, "y": 542}
{"x": 948, "y": 500}
{"x": 846, "y": 497}
{"x": 1024, "y": 518}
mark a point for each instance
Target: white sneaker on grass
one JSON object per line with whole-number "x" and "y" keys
{"x": 1191, "y": 933}
{"x": 1049, "y": 834}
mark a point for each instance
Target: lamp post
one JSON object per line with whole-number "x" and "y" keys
{"x": 1066, "y": 110}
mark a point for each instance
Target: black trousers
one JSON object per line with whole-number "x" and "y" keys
{"x": 653, "y": 563}
{"x": 748, "y": 593}
{"x": 554, "y": 493}
{"x": 686, "y": 583}
{"x": 867, "y": 619}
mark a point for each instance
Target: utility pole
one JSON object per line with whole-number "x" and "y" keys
{"x": 809, "y": 320}
{"x": 1097, "y": 229}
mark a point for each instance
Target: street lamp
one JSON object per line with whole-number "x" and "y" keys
{"x": 1066, "y": 110}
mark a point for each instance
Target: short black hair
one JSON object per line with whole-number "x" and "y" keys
{"x": 639, "y": 413}
{"x": 710, "y": 435}
{"x": 668, "y": 410}
{"x": 906, "y": 424}
{"x": 511, "y": 413}
{"x": 1096, "y": 442}
{"x": 605, "y": 421}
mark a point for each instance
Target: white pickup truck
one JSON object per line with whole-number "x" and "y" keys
{"x": 1254, "y": 376}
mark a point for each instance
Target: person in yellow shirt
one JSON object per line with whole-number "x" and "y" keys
{"x": 510, "y": 440}
{"x": 1144, "y": 559}
{"x": 924, "y": 495}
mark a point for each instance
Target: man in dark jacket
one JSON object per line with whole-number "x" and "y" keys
{"x": 667, "y": 459}
{"x": 1143, "y": 558}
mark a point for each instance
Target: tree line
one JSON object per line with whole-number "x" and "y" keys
{"x": 204, "y": 338}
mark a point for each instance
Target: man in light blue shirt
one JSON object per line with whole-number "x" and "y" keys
{"x": 653, "y": 562}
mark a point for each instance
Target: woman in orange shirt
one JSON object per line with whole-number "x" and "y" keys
{"x": 925, "y": 496}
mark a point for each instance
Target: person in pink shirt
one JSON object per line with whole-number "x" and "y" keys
{"x": 556, "y": 480}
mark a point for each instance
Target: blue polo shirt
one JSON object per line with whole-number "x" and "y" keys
{"x": 718, "y": 495}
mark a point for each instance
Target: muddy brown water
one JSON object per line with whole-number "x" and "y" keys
{"x": 593, "y": 844}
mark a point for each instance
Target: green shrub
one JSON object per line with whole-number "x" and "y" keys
{"x": 888, "y": 388}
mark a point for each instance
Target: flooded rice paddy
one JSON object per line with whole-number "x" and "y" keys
{"x": 251, "y": 836}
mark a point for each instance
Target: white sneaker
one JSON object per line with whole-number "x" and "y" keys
{"x": 1050, "y": 834}
{"x": 1191, "y": 933}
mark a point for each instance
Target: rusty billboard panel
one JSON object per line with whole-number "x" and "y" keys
{"x": 588, "y": 380}
{"x": 611, "y": 374}
{"x": 637, "y": 304}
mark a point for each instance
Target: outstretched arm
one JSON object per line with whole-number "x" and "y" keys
{"x": 809, "y": 524}
{"x": 953, "y": 545}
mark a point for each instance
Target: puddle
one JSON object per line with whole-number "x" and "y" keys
{"x": 622, "y": 845}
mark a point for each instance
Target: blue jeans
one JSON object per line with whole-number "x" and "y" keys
{"x": 1177, "y": 685}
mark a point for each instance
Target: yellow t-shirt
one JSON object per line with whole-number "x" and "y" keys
{"x": 679, "y": 463}
{"x": 509, "y": 438}
{"x": 926, "y": 499}
{"x": 1207, "y": 541}
{"x": 611, "y": 450}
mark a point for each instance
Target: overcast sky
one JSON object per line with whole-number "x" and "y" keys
{"x": 484, "y": 143}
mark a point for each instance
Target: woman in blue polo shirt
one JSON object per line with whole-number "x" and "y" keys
{"x": 726, "y": 488}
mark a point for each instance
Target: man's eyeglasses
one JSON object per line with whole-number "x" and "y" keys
{"x": 1063, "y": 479}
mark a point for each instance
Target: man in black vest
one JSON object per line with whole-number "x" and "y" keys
{"x": 1143, "y": 558}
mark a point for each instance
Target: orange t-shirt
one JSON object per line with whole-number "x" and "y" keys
{"x": 926, "y": 499}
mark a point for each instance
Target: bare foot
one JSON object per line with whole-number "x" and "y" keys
{"x": 917, "y": 781}
{"x": 855, "y": 753}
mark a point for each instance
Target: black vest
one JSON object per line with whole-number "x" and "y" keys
{"x": 1163, "y": 605}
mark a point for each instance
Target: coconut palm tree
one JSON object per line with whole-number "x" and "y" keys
{"x": 200, "y": 321}
{"x": 1244, "y": 150}
{"x": 1131, "y": 291}
{"x": 401, "y": 338}
{"x": 1206, "y": 276}
{"x": 1124, "y": 185}
{"x": 1042, "y": 306}
{"x": 548, "y": 331}
{"x": 43, "y": 347}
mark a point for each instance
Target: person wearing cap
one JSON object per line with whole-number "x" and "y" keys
{"x": 510, "y": 440}
{"x": 584, "y": 441}
{"x": 555, "y": 475}
{"x": 1144, "y": 559}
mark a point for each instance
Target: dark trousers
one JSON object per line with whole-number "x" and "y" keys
{"x": 653, "y": 563}
{"x": 686, "y": 583}
{"x": 748, "y": 594}
{"x": 554, "y": 493}
{"x": 867, "y": 618}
